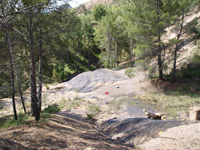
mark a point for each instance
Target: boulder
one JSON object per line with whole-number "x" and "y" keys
{"x": 194, "y": 113}
{"x": 155, "y": 116}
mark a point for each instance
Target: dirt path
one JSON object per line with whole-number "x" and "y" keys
{"x": 63, "y": 132}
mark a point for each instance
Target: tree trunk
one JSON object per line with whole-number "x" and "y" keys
{"x": 20, "y": 91}
{"x": 84, "y": 49}
{"x": 40, "y": 67}
{"x": 176, "y": 48}
{"x": 88, "y": 59}
{"x": 160, "y": 69}
{"x": 34, "y": 100}
{"x": 18, "y": 83}
{"x": 79, "y": 60}
{"x": 109, "y": 49}
{"x": 131, "y": 48}
{"x": 118, "y": 53}
{"x": 11, "y": 63}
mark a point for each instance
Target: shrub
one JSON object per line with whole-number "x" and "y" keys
{"x": 130, "y": 72}
{"x": 9, "y": 121}
{"x": 52, "y": 109}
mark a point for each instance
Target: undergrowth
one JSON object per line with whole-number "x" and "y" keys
{"x": 8, "y": 121}
{"x": 171, "y": 102}
{"x": 23, "y": 119}
{"x": 130, "y": 72}
{"x": 93, "y": 111}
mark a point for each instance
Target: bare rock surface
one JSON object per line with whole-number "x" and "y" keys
{"x": 185, "y": 137}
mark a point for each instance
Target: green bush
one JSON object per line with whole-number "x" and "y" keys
{"x": 141, "y": 65}
{"x": 196, "y": 56}
{"x": 61, "y": 72}
{"x": 93, "y": 111}
{"x": 52, "y": 109}
{"x": 9, "y": 121}
{"x": 130, "y": 72}
{"x": 90, "y": 116}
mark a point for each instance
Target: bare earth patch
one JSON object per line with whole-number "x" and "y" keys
{"x": 62, "y": 132}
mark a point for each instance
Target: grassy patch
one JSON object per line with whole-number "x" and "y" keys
{"x": 8, "y": 121}
{"x": 93, "y": 111}
{"x": 26, "y": 119}
{"x": 76, "y": 90}
{"x": 170, "y": 103}
{"x": 130, "y": 72}
{"x": 116, "y": 103}
{"x": 70, "y": 103}
{"x": 52, "y": 109}
{"x": 44, "y": 117}
{"x": 63, "y": 102}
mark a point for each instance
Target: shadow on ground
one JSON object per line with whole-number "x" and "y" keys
{"x": 62, "y": 132}
{"x": 137, "y": 130}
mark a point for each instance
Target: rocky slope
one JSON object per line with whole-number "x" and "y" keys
{"x": 91, "y": 4}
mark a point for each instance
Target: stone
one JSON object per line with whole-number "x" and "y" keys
{"x": 194, "y": 113}
{"x": 155, "y": 116}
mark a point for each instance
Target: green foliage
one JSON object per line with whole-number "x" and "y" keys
{"x": 189, "y": 71}
{"x": 69, "y": 39}
{"x": 94, "y": 108}
{"x": 90, "y": 116}
{"x": 173, "y": 100}
{"x": 192, "y": 68}
{"x": 98, "y": 12}
{"x": 130, "y": 72}
{"x": 141, "y": 64}
{"x": 61, "y": 72}
{"x": 193, "y": 27}
{"x": 45, "y": 116}
{"x": 196, "y": 56}
{"x": 8, "y": 121}
{"x": 151, "y": 72}
{"x": 93, "y": 111}
{"x": 174, "y": 41}
{"x": 23, "y": 119}
{"x": 52, "y": 109}
{"x": 140, "y": 51}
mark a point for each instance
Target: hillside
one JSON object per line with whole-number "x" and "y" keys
{"x": 188, "y": 45}
{"x": 91, "y": 4}
{"x": 100, "y": 76}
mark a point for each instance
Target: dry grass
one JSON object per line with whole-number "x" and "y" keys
{"x": 172, "y": 103}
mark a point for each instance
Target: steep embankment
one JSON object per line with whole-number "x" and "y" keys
{"x": 91, "y": 4}
{"x": 187, "y": 43}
